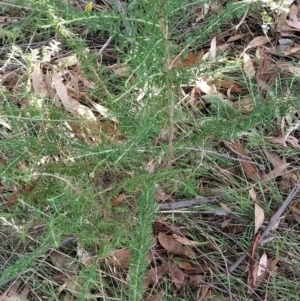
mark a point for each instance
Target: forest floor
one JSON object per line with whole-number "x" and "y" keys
{"x": 149, "y": 150}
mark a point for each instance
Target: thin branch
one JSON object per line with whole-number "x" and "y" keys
{"x": 187, "y": 203}
{"x": 270, "y": 226}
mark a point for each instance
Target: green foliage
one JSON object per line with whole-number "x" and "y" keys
{"x": 106, "y": 168}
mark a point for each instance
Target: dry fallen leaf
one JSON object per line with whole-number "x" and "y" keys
{"x": 259, "y": 217}
{"x": 185, "y": 241}
{"x": 282, "y": 140}
{"x": 173, "y": 246}
{"x": 153, "y": 275}
{"x": 39, "y": 86}
{"x": 294, "y": 12}
{"x": 233, "y": 87}
{"x": 262, "y": 265}
{"x": 213, "y": 49}
{"x": 248, "y": 66}
{"x": 249, "y": 168}
{"x": 190, "y": 60}
{"x": 204, "y": 10}
{"x": 184, "y": 264}
{"x": 177, "y": 276}
{"x": 120, "y": 258}
{"x": 205, "y": 293}
{"x": 276, "y": 172}
{"x": 293, "y": 24}
{"x": 117, "y": 200}
{"x": 63, "y": 261}
{"x": 260, "y": 270}
{"x": 11, "y": 294}
{"x": 274, "y": 159}
{"x": 12, "y": 199}
{"x": 70, "y": 104}
{"x": 258, "y": 41}
{"x": 252, "y": 194}
{"x": 195, "y": 280}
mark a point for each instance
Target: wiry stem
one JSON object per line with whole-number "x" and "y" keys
{"x": 164, "y": 31}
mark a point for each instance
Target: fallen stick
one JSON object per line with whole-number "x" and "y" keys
{"x": 187, "y": 203}
{"x": 270, "y": 226}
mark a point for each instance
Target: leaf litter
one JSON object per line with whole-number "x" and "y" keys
{"x": 176, "y": 251}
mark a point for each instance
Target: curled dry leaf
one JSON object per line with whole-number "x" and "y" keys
{"x": 258, "y": 41}
{"x": 184, "y": 264}
{"x": 293, "y": 24}
{"x": 294, "y": 12}
{"x": 282, "y": 140}
{"x": 224, "y": 47}
{"x": 276, "y": 172}
{"x": 249, "y": 168}
{"x": 259, "y": 217}
{"x": 260, "y": 270}
{"x": 162, "y": 226}
{"x": 177, "y": 276}
{"x": 274, "y": 159}
{"x": 195, "y": 280}
{"x": 12, "y": 199}
{"x": 70, "y": 104}
{"x": 63, "y": 261}
{"x": 174, "y": 247}
{"x": 11, "y": 295}
{"x": 153, "y": 275}
{"x": 248, "y": 66}
{"x": 296, "y": 213}
{"x": 118, "y": 199}
{"x": 185, "y": 241}
{"x": 233, "y": 87}
{"x": 262, "y": 265}
{"x": 213, "y": 49}
{"x": 39, "y": 86}
{"x": 236, "y": 37}
{"x": 285, "y": 66}
{"x": 120, "y": 70}
{"x": 206, "y": 293}
{"x": 204, "y": 10}
{"x": 85, "y": 112}
{"x": 190, "y": 60}
{"x": 120, "y": 258}
{"x": 252, "y": 194}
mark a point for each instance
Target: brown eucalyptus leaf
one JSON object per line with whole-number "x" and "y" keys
{"x": 170, "y": 244}
{"x": 117, "y": 200}
{"x": 153, "y": 275}
{"x": 185, "y": 265}
{"x": 276, "y": 172}
{"x": 274, "y": 159}
{"x": 185, "y": 241}
{"x": 69, "y": 103}
{"x": 177, "y": 276}
{"x": 39, "y": 86}
{"x": 294, "y": 11}
{"x": 249, "y": 168}
{"x": 248, "y": 66}
{"x": 120, "y": 258}
{"x": 258, "y": 41}
{"x": 293, "y": 24}
{"x": 259, "y": 217}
